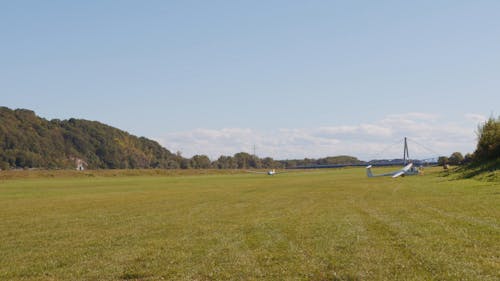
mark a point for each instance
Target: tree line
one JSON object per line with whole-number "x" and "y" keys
{"x": 28, "y": 141}
{"x": 243, "y": 160}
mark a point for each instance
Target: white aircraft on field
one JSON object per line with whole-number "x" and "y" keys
{"x": 269, "y": 173}
{"x": 407, "y": 170}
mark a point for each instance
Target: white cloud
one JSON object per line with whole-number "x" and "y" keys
{"x": 478, "y": 118}
{"x": 376, "y": 130}
{"x": 414, "y": 116}
{"x": 429, "y": 134}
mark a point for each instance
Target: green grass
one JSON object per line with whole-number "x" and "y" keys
{"x": 316, "y": 225}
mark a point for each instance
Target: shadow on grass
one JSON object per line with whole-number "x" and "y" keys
{"x": 132, "y": 275}
{"x": 488, "y": 171}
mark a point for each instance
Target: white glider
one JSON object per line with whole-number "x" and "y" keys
{"x": 407, "y": 170}
{"x": 269, "y": 173}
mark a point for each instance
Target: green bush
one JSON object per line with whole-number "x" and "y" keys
{"x": 488, "y": 145}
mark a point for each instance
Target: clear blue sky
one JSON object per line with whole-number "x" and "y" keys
{"x": 216, "y": 77}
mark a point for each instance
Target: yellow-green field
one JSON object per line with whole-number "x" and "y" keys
{"x": 306, "y": 225}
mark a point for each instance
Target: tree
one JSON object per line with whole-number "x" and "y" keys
{"x": 468, "y": 158}
{"x": 442, "y": 160}
{"x": 254, "y": 162}
{"x": 455, "y": 158}
{"x": 268, "y": 163}
{"x": 225, "y": 162}
{"x": 200, "y": 162}
{"x": 242, "y": 160}
{"x": 488, "y": 145}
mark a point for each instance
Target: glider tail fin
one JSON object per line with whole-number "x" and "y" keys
{"x": 369, "y": 171}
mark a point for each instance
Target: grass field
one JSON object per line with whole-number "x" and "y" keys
{"x": 310, "y": 225}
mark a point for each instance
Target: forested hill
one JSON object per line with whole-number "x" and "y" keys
{"x": 28, "y": 141}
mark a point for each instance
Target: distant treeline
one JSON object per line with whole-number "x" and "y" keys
{"x": 244, "y": 160}
{"x": 28, "y": 141}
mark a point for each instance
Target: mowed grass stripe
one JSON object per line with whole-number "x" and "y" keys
{"x": 314, "y": 225}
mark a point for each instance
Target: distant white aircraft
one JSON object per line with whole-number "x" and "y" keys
{"x": 269, "y": 173}
{"x": 407, "y": 170}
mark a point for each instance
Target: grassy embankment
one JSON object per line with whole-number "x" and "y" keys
{"x": 317, "y": 225}
{"x": 486, "y": 171}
